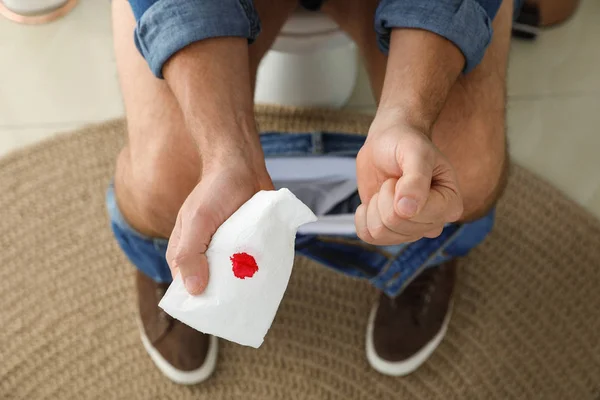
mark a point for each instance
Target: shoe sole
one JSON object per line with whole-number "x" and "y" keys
{"x": 408, "y": 366}
{"x": 178, "y": 376}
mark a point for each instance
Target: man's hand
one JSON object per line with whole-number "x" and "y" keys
{"x": 224, "y": 187}
{"x": 408, "y": 188}
{"x": 211, "y": 81}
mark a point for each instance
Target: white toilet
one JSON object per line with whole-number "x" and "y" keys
{"x": 35, "y": 12}
{"x": 312, "y": 63}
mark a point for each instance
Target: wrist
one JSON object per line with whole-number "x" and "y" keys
{"x": 405, "y": 115}
{"x": 400, "y": 119}
{"x": 222, "y": 129}
{"x": 232, "y": 147}
{"x": 231, "y": 151}
{"x": 422, "y": 68}
{"x": 247, "y": 165}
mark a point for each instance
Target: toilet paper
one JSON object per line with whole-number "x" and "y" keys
{"x": 250, "y": 260}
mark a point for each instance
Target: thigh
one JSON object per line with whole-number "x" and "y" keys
{"x": 158, "y": 166}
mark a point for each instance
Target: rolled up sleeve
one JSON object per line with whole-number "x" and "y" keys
{"x": 166, "y": 26}
{"x": 466, "y": 23}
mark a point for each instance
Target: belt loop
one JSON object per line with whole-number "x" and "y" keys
{"x": 317, "y": 143}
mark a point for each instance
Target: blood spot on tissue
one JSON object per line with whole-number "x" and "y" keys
{"x": 244, "y": 265}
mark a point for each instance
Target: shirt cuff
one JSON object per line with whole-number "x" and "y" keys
{"x": 464, "y": 22}
{"x": 168, "y": 26}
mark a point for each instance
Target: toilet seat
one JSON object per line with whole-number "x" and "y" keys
{"x": 312, "y": 63}
{"x": 304, "y": 22}
{"x": 307, "y": 31}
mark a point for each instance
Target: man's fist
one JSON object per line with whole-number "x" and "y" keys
{"x": 408, "y": 188}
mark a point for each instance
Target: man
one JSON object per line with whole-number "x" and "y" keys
{"x": 435, "y": 153}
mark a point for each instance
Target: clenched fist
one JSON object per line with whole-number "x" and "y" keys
{"x": 407, "y": 187}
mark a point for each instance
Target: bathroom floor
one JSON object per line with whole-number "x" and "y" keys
{"x": 61, "y": 76}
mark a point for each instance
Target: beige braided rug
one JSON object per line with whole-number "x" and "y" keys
{"x": 526, "y": 324}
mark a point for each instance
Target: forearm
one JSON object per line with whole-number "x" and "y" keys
{"x": 466, "y": 23}
{"x": 211, "y": 82}
{"x": 422, "y": 68}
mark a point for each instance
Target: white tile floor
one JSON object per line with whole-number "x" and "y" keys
{"x": 58, "y": 77}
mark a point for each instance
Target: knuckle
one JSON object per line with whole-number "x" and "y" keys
{"x": 421, "y": 146}
{"x": 378, "y": 232}
{"x": 169, "y": 255}
{"x": 421, "y": 178}
{"x": 364, "y": 235}
{"x": 171, "y": 250}
{"x": 390, "y": 219}
{"x": 458, "y": 213}
{"x": 427, "y": 152}
{"x": 197, "y": 214}
{"x": 434, "y": 233}
{"x": 178, "y": 258}
{"x": 361, "y": 154}
{"x": 454, "y": 212}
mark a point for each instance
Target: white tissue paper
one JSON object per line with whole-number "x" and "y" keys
{"x": 257, "y": 244}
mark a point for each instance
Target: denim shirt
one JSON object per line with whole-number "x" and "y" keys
{"x": 166, "y": 26}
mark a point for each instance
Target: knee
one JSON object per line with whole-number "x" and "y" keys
{"x": 482, "y": 178}
{"x": 151, "y": 186}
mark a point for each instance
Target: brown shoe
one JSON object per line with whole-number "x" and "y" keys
{"x": 181, "y": 353}
{"x": 403, "y": 332}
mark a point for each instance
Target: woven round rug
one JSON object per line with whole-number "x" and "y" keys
{"x": 526, "y": 322}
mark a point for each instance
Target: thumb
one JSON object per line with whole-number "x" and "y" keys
{"x": 186, "y": 252}
{"x": 412, "y": 189}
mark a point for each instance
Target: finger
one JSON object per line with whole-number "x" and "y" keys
{"x": 173, "y": 244}
{"x": 432, "y": 234}
{"x": 390, "y": 217}
{"x": 188, "y": 255}
{"x": 380, "y": 234}
{"x": 444, "y": 203}
{"x": 417, "y": 163}
{"x": 377, "y": 230}
{"x": 360, "y": 221}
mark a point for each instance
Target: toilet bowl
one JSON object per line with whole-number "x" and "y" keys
{"x": 35, "y": 12}
{"x": 312, "y": 63}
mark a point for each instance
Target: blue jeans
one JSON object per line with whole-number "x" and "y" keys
{"x": 389, "y": 268}
{"x": 167, "y": 26}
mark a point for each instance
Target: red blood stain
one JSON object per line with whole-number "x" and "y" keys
{"x": 244, "y": 265}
